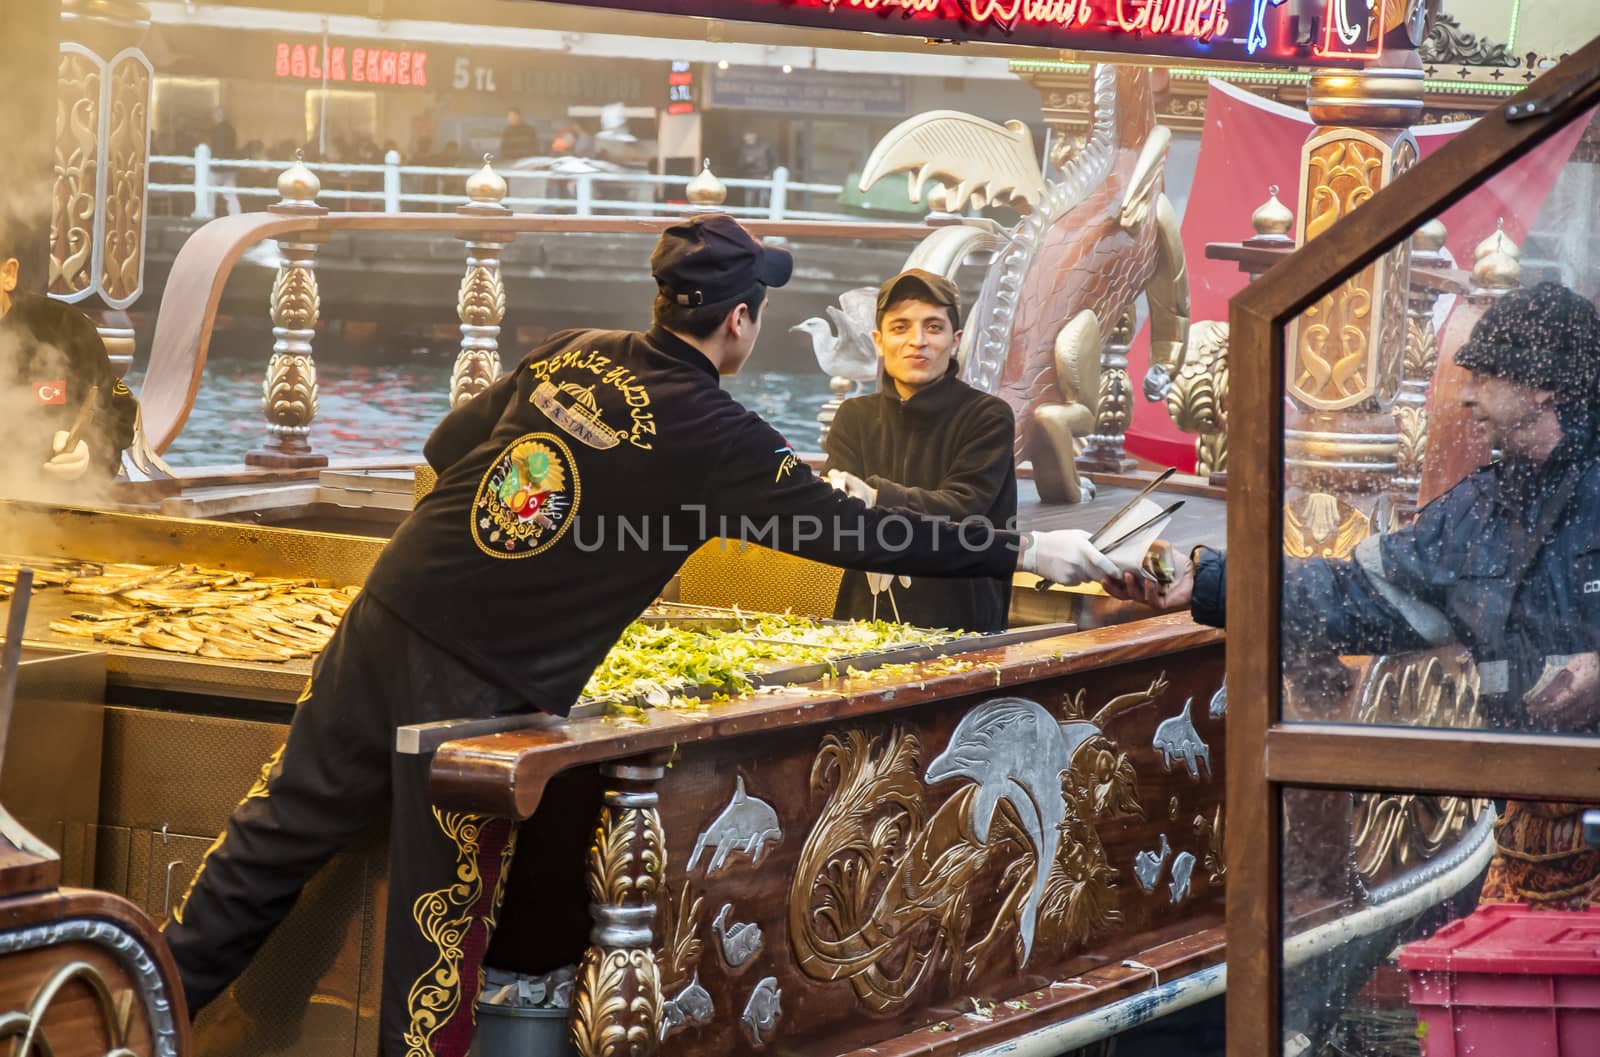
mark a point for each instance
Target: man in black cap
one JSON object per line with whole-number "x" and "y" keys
{"x": 1506, "y": 564}
{"x": 508, "y": 584}
{"x": 925, "y": 441}
{"x": 55, "y": 375}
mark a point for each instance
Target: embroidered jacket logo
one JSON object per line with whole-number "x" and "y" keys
{"x": 527, "y": 498}
{"x": 1591, "y": 587}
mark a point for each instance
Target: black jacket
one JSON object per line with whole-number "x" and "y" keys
{"x": 946, "y": 452}
{"x": 1451, "y": 577}
{"x": 571, "y": 490}
{"x": 51, "y": 356}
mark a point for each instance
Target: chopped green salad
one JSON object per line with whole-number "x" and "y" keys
{"x": 651, "y": 664}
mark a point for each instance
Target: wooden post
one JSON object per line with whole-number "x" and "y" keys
{"x": 289, "y": 395}
{"x": 481, "y": 302}
{"x": 616, "y": 1007}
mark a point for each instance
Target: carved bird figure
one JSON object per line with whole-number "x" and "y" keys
{"x": 845, "y": 350}
{"x": 1092, "y": 240}
{"x": 740, "y": 940}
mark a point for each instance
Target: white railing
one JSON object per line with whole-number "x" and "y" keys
{"x": 385, "y": 187}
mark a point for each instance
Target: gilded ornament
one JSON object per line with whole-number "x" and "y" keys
{"x": 1272, "y": 219}
{"x": 296, "y": 303}
{"x": 486, "y": 187}
{"x": 473, "y": 373}
{"x": 1447, "y": 44}
{"x": 482, "y": 298}
{"x": 1323, "y": 526}
{"x": 1412, "y": 423}
{"x": 626, "y": 858}
{"x": 682, "y": 949}
{"x": 705, "y": 190}
{"x": 1422, "y": 347}
{"x": 27, "y": 1025}
{"x": 443, "y": 918}
{"x": 1197, "y": 402}
{"x": 616, "y": 1007}
{"x": 298, "y": 185}
{"x": 289, "y": 392}
{"x": 1497, "y": 261}
{"x": 1216, "y": 856}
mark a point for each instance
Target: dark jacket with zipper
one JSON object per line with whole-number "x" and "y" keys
{"x": 947, "y": 452}
{"x": 571, "y": 490}
{"x": 1506, "y": 563}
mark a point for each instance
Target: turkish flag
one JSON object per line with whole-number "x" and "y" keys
{"x": 1251, "y": 143}
{"x": 52, "y": 392}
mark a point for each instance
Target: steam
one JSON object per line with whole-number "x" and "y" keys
{"x": 26, "y": 429}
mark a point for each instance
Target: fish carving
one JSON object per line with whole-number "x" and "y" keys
{"x": 1147, "y": 865}
{"x": 1013, "y": 750}
{"x": 1176, "y": 737}
{"x": 1182, "y": 868}
{"x": 746, "y": 824}
{"x": 761, "y": 1013}
{"x": 1219, "y": 702}
{"x": 690, "y": 1007}
{"x": 971, "y": 157}
{"x": 740, "y": 941}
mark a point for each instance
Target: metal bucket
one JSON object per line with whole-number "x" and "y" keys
{"x": 522, "y": 1031}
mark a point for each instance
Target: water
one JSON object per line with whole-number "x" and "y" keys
{"x": 387, "y": 411}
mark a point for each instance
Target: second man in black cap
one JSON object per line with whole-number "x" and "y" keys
{"x": 925, "y": 441}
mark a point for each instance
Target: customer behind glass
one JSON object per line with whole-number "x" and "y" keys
{"x": 1506, "y": 564}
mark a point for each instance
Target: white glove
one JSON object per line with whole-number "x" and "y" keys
{"x": 67, "y": 465}
{"x": 853, "y": 486}
{"x": 878, "y": 583}
{"x": 1065, "y": 556}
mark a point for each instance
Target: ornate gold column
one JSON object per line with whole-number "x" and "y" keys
{"x": 289, "y": 392}
{"x": 102, "y": 151}
{"x": 1346, "y": 352}
{"x": 481, "y": 303}
{"x": 616, "y": 1007}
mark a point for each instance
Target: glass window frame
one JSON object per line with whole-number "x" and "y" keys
{"x": 1265, "y": 754}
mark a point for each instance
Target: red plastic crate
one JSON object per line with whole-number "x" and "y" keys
{"x": 1508, "y": 981}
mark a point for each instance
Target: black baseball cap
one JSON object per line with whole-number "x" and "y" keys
{"x": 915, "y": 284}
{"x": 711, "y": 259}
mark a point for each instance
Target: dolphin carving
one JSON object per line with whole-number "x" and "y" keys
{"x": 747, "y": 824}
{"x": 1013, "y": 750}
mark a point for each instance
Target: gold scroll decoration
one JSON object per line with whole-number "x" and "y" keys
{"x": 1320, "y": 525}
{"x": 1346, "y": 348}
{"x": 1198, "y": 399}
{"x": 617, "y": 1003}
{"x": 127, "y": 163}
{"x": 77, "y": 168}
{"x": 27, "y": 1026}
{"x": 1396, "y": 832}
{"x": 882, "y": 895}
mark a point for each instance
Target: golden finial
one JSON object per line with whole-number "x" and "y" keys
{"x": 1272, "y": 218}
{"x": 298, "y": 185}
{"x": 1498, "y": 264}
{"x": 705, "y": 190}
{"x": 486, "y": 187}
{"x": 1429, "y": 238}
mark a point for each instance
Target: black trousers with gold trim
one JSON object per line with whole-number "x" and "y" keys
{"x": 336, "y": 775}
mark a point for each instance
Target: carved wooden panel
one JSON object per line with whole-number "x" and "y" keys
{"x": 126, "y": 174}
{"x": 77, "y": 172}
{"x": 831, "y": 886}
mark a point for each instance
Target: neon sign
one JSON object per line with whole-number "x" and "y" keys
{"x": 336, "y": 62}
{"x": 1337, "y": 32}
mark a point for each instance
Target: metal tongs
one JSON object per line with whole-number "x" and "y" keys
{"x": 1161, "y": 478}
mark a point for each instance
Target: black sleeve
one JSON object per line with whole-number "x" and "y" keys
{"x": 844, "y": 442}
{"x": 122, "y": 413}
{"x": 758, "y": 492}
{"x": 972, "y": 482}
{"x": 469, "y": 425}
{"x": 1209, "y": 603}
